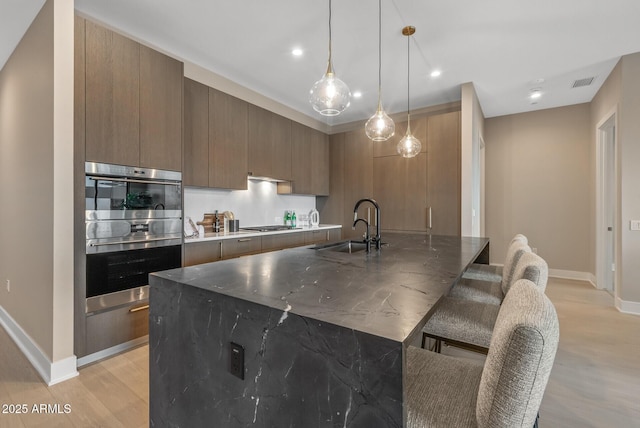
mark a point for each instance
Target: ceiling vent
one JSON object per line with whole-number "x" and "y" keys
{"x": 582, "y": 82}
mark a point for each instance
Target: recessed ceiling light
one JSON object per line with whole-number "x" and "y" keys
{"x": 535, "y": 94}
{"x": 296, "y": 52}
{"x": 357, "y": 94}
{"x": 436, "y": 73}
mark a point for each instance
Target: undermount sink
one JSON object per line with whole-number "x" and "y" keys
{"x": 343, "y": 247}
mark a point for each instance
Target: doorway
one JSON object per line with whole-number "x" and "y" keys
{"x": 606, "y": 200}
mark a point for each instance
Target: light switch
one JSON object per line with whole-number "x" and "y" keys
{"x": 634, "y": 225}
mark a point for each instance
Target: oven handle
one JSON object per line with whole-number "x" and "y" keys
{"x": 138, "y": 241}
{"x": 133, "y": 180}
{"x": 139, "y": 308}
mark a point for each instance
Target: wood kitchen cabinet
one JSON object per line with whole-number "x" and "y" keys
{"x": 160, "y": 110}
{"x": 112, "y": 73}
{"x": 443, "y": 173}
{"x": 401, "y": 192}
{"x": 358, "y": 179}
{"x": 400, "y": 184}
{"x": 309, "y": 162}
{"x": 196, "y": 134}
{"x": 320, "y": 236}
{"x": 197, "y": 253}
{"x": 228, "y": 149}
{"x": 269, "y": 143}
{"x": 407, "y": 190}
{"x": 215, "y": 138}
{"x": 282, "y": 241}
{"x": 133, "y": 102}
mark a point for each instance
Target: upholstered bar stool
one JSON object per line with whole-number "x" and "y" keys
{"x": 469, "y": 324}
{"x": 506, "y": 392}
{"x": 491, "y": 291}
{"x": 493, "y": 273}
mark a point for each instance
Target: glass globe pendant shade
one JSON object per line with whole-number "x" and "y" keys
{"x": 380, "y": 126}
{"x": 330, "y": 96}
{"x": 409, "y": 146}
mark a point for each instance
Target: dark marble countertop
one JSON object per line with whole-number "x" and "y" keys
{"x": 387, "y": 293}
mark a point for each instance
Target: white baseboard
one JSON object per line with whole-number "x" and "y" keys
{"x": 96, "y": 356}
{"x": 572, "y": 274}
{"x": 50, "y": 372}
{"x": 628, "y": 307}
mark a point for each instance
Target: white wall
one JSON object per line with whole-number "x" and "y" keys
{"x": 472, "y": 129}
{"x": 538, "y": 171}
{"x": 257, "y": 206}
{"x": 36, "y": 169}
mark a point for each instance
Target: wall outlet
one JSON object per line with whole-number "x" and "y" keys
{"x": 8, "y": 286}
{"x": 236, "y": 360}
{"x": 634, "y": 225}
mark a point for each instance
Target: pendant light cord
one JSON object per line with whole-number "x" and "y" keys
{"x": 330, "y": 35}
{"x": 379, "y": 52}
{"x": 408, "y": 83}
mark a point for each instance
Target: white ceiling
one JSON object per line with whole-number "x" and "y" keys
{"x": 502, "y": 46}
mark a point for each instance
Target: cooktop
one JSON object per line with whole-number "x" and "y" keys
{"x": 269, "y": 228}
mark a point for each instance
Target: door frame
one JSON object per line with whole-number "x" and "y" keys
{"x": 609, "y": 120}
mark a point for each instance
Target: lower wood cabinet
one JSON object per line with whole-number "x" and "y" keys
{"x": 240, "y": 247}
{"x": 196, "y": 253}
{"x": 319, "y": 236}
{"x": 280, "y": 242}
{"x": 114, "y": 327}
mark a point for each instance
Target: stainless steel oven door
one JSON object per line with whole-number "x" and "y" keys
{"x": 118, "y": 235}
{"x": 119, "y": 192}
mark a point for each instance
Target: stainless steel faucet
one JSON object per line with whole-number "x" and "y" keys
{"x": 377, "y": 239}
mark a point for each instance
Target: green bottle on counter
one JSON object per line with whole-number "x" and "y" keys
{"x": 293, "y": 219}
{"x": 287, "y": 218}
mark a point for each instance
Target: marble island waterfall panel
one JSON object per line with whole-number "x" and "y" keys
{"x": 298, "y": 372}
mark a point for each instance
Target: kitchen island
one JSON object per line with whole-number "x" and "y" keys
{"x": 323, "y": 333}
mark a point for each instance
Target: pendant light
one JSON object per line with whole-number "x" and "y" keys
{"x": 380, "y": 126}
{"x": 409, "y": 146}
{"x": 329, "y": 96}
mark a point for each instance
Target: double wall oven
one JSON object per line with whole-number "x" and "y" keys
{"x": 133, "y": 222}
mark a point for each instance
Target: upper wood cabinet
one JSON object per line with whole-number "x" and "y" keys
{"x": 160, "y": 110}
{"x": 196, "y": 134}
{"x": 112, "y": 105}
{"x": 228, "y": 150}
{"x": 215, "y": 138}
{"x": 133, "y": 102}
{"x": 309, "y": 161}
{"x": 269, "y": 142}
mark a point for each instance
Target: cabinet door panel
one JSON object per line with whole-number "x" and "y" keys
{"x": 228, "y": 150}
{"x": 259, "y": 142}
{"x": 112, "y": 97}
{"x": 358, "y": 179}
{"x": 443, "y": 193}
{"x": 400, "y": 190}
{"x": 269, "y": 144}
{"x": 196, "y": 134}
{"x": 280, "y": 147}
{"x": 319, "y": 163}
{"x": 161, "y": 84}
{"x": 301, "y": 159}
{"x": 196, "y": 253}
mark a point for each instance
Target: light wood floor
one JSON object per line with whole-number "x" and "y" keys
{"x": 595, "y": 381}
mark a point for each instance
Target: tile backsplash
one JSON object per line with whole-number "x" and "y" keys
{"x": 259, "y": 205}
